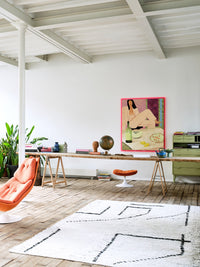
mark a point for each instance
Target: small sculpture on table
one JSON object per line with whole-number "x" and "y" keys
{"x": 95, "y": 146}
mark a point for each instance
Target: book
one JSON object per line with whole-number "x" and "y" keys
{"x": 30, "y": 148}
{"x": 46, "y": 149}
{"x": 83, "y": 151}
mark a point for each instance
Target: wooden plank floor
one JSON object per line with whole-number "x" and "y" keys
{"x": 45, "y": 206}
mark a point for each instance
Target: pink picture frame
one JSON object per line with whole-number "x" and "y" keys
{"x": 143, "y": 124}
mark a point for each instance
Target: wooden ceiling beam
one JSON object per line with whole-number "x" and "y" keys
{"x": 10, "y": 61}
{"x": 14, "y": 14}
{"x": 146, "y": 27}
{"x": 64, "y": 46}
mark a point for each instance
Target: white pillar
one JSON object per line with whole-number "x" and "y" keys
{"x": 21, "y": 84}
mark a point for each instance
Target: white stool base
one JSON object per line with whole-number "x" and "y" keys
{"x": 6, "y": 218}
{"x": 124, "y": 184}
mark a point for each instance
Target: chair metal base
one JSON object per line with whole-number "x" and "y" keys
{"x": 124, "y": 184}
{"x": 6, "y": 218}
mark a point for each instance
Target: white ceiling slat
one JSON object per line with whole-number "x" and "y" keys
{"x": 115, "y": 39}
{"x": 178, "y": 45}
{"x": 182, "y": 39}
{"x": 65, "y": 4}
{"x": 128, "y": 33}
{"x": 63, "y": 20}
{"x": 70, "y": 2}
{"x": 28, "y": 2}
{"x": 182, "y": 32}
{"x": 138, "y": 12}
{"x": 168, "y": 4}
{"x": 172, "y": 11}
{"x": 121, "y": 51}
{"x": 93, "y": 27}
{"x": 186, "y": 18}
{"x": 102, "y": 47}
{"x": 91, "y": 44}
{"x": 104, "y": 22}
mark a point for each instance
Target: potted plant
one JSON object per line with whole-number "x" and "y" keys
{"x": 10, "y": 145}
{"x": 3, "y": 160}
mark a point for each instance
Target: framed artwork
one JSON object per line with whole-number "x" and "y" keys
{"x": 142, "y": 124}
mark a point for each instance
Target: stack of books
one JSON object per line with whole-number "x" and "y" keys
{"x": 30, "y": 148}
{"x": 104, "y": 176}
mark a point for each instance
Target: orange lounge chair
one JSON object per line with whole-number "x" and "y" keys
{"x": 13, "y": 191}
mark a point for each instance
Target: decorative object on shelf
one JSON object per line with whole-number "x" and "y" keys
{"x": 168, "y": 151}
{"x": 56, "y": 147}
{"x": 146, "y": 119}
{"x": 82, "y": 151}
{"x": 95, "y": 146}
{"x": 106, "y": 142}
{"x": 161, "y": 153}
{"x": 65, "y": 147}
{"x": 46, "y": 149}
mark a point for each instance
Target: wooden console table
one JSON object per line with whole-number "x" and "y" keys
{"x": 158, "y": 167}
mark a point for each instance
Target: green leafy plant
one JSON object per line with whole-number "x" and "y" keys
{"x": 34, "y": 140}
{"x": 3, "y": 160}
{"x": 9, "y": 144}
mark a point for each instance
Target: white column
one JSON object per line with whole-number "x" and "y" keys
{"x": 21, "y": 85}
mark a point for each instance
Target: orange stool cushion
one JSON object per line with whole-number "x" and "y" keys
{"x": 124, "y": 173}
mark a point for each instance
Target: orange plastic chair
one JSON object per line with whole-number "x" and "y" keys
{"x": 124, "y": 174}
{"x": 13, "y": 191}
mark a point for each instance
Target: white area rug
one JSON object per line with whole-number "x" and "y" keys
{"x": 115, "y": 233}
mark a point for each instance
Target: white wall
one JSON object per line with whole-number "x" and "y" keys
{"x": 78, "y": 103}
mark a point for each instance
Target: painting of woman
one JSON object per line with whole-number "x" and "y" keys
{"x": 141, "y": 119}
{"x": 146, "y": 120}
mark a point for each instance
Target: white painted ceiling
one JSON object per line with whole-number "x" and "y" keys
{"x": 83, "y": 29}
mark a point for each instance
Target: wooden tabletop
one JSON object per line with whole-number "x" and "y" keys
{"x": 114, "y": 156}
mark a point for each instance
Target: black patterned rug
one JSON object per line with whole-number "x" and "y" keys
{"x": 117, "y": 233}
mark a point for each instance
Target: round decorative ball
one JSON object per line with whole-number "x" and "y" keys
{"x": 106, "y": 142}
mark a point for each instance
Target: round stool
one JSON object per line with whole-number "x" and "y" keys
{"x": 124, "y": 173}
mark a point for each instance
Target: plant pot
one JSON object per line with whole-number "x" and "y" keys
{"x": 12, "y": 169}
